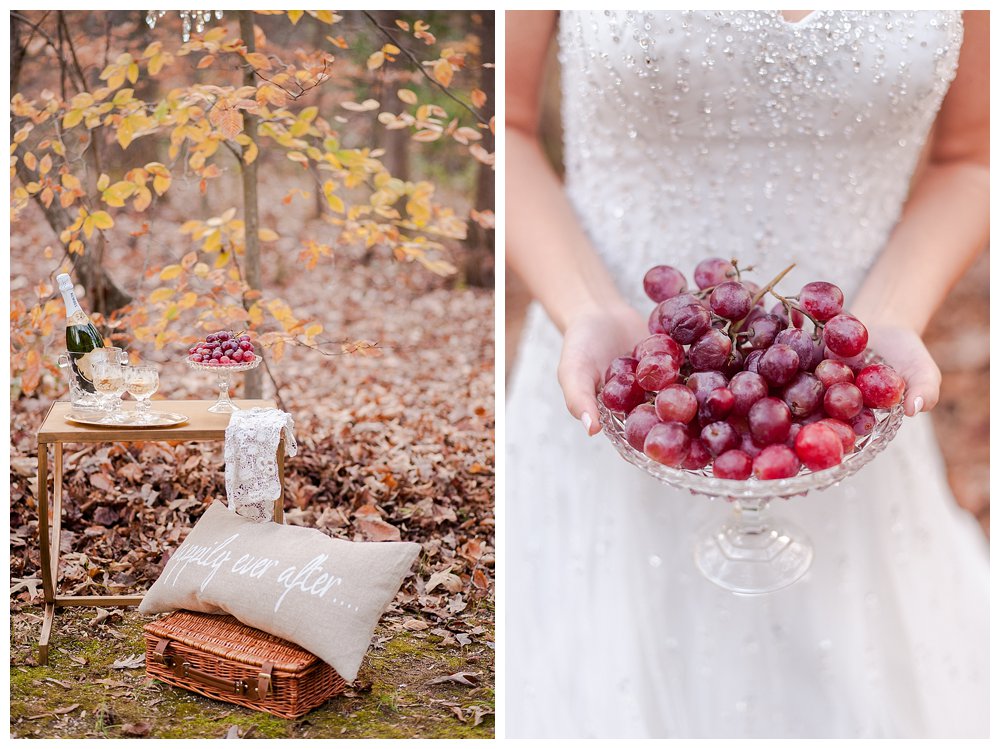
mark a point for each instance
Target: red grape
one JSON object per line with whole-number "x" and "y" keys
{"x": 747, "y": 388}
{"x": 225, "y": 360}
{"x": 731, "y": 300}
{"x": 778, "y": 364}
{"x": 803, "y": 344}
{"x": 689, "y": 323}
{"x": 656, "y": 371}
{"x": 832, "y": 371}
{"x": 748, "y": 446}
{"x": 752, "y": 360}
{"x": 676, "y": 403}
{"x": 845, "y": 335}
{"x": 779, "y": 311}
{"x": 822, "y": 300}
{"x": 762, "y": 331}
{"x": 769, "y": 420}
{"x": 843, "y": 401}
{"x": 776, "y": 462}
{"x": 703, "y": 383}
{"x": 195, "y": 357}
{"x": 712, "y": 271}
{"x": 667, "y": 443}
{"x": 639, "y": 422}
{"x": 663, "y": 282}
{"x": 659, "y": 344}
{"x": 863, "y": 423}
{"x": 803, "y": 394}
{"x": 622, "y": 393}
{"x": 621, "y": 365}
{"x": 655, "y": 325}
{"x": 719, "y": 437}
{"x": 698, "y": 456}
{"x": 710, "y": 352}
{"x": 733, "y": 464}
{"x": 719, "y": 404}
{"x": 843, "y": 431}
{"x": 818, "y": 447}
{"x": 880, "y": 385}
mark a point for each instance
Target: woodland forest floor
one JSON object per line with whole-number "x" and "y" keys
{"x": 394, "y": 446}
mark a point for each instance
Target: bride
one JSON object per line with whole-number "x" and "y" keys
{"x": 853, "y": 143}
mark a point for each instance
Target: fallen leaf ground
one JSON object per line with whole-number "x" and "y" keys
{"x": 394, "y": 446}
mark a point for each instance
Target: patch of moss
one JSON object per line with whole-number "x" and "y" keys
{"x": 393, "y": 698}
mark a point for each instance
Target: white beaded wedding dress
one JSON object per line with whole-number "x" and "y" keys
{"x": 738, "y": 134}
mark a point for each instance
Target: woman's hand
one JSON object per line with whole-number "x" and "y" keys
{"x": 905, "y": 351}
{"x": 590, "y": 342}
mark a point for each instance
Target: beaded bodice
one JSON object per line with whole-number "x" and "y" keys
{"x": 741, "y": 134}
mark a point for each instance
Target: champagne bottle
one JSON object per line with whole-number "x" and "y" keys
{"x": 82, "y": 336}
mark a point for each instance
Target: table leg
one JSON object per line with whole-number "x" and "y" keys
{"x": 279, "y": 503}
{"x": 48, "y": 584}
{"x": 57, "y": 492}
{"x": 43, "y": 641}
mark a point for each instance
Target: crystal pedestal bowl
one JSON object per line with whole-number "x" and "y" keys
{"x": 755, "y": 551}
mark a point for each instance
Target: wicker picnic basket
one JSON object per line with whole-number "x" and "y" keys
{"x": 217, "y": 656}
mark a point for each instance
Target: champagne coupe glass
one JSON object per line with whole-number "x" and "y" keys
{"x": 141, "y": 382}
{"x": 109, "y": 380}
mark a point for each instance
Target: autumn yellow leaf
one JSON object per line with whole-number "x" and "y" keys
{"x": 170, "y": 272}
{"x": 443, "y": 72}
{"x": 326, "y": 16}
{"x": 375, "y": 60}
{"x": 72, "y": 118}
{"x": 102, "y": 219}
{"x": 295, "y": 15}
{"x": 161, "y": 295}
{"x": 30, "y": 161}
{"x": 206, "y": 61}
{"x": 478, "y": 98}
{"x": 70, "y": 182}
{"x": 259, "y": 60}
{"x": 142, "y": 199}
{"x": 267, "y": 235}
{"x": 227, "y": 119}
{"x": 407, "y": 96}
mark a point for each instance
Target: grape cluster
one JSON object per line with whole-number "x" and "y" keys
{"x": 223, "y": 347}
{"x": 722, "y": 379}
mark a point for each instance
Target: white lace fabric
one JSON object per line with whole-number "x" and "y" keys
{"x": 252, "y": 482}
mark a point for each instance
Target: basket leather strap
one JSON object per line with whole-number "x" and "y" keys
{"x": 264, "y": 680}
{"x": 183, "y": 670}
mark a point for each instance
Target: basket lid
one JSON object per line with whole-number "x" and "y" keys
{"x": 227, "y": 637}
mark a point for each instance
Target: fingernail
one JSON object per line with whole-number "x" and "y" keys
{"x": 918, "y": 405}
{"x": 587, "y": 421}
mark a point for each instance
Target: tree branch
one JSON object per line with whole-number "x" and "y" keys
{"x": 420, "y": 67}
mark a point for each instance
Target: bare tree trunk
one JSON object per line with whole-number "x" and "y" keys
{"x": 251, "y": 218}
{"x": 481, "y": 261}
{"x": 103, "y": 293}
{"x": 395, "y": 142}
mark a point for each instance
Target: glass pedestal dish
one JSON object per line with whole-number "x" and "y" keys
{"x": 754, "y": 551}
{"x": 224, "y": 373}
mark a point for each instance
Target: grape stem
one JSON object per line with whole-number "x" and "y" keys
{"x": 760, "y": 295}
{"x": 789, "y": 306}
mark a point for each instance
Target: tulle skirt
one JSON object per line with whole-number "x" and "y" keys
{"x": 611, "y": 631}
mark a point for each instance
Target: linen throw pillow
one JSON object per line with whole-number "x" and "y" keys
{"x": 322, "y": 593}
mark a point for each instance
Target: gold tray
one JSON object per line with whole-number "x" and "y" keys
{"x": 158, "y": 419}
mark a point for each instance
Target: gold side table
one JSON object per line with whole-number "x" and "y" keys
{"x": 202, "y": 426}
